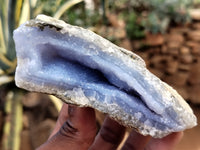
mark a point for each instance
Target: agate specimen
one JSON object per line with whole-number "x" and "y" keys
{"x": 84, "y": 69}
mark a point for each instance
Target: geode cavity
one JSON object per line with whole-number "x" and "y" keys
{"x": 85, "y": 69}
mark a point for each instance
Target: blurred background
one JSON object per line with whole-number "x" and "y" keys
{"x": 165, "y": 33}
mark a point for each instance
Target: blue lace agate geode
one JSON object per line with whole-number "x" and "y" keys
{"x": 85, "y": 69}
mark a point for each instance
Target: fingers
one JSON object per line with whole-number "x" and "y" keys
{"x": 63, "y": 116}
{"x": 84, "y": 121}
{"x": 109, "y": 136}
{"x": 136, "y": 141}
{"x": 166, "y": 143}
{"x": 77, "y": 132}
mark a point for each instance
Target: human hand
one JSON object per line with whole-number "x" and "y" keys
{"x": 76, "y": 130}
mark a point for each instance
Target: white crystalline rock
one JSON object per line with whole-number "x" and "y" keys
{"x": 84, "y": 69}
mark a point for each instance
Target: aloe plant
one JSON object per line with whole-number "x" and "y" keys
{"x": 12, "y": 13}
{"x": 13, "y": 124}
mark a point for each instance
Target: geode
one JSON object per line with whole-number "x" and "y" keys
{"x": 82, "y": 68}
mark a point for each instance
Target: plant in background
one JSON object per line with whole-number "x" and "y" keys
{"x": 196, "y": 3}
{"x": 133, "y": 28}
{"x": 12, "y": 13}
{"x": 154, "y": 24}
{"x": 160, "y": 13}
{"x": 84, "y": 14}
{"x": 155, "y": 15}
{"x": 152, "y": 16}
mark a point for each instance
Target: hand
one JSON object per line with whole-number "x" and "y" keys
{"x": 76, "y": 130}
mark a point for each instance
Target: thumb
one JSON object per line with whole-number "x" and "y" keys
{"x": 77, "y": 132}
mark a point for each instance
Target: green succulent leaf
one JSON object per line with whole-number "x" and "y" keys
{"x": 13, "y": 124}
{"x": 65, "y": 7}
{"x": 12, "y": 14}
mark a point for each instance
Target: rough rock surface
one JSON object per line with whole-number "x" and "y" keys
{"x": 82, "y": 68}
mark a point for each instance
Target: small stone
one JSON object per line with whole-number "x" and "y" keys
{"x": 173, "y": 51}
{"x": 195, "y": 51}
{"x": 164, "y": 49}
{"x": 173, "y": 45}
{"x": 194, "y": 93}
{"x": 187, "y": 59}
{"x": 194, "y": 35}
{"x": 179, "y": 30}
{"x": 178, "y": 79}
{"x": 157, "y": 61}
{"x": 195, "y": 14}
{"x": 196, "y": 25}
{"x": 154, "y": 39}
{"x": 193, "y": 44}
{"x": 172, "y": 66}
{"x": 184, "y": 67}
{"x": 174, "y": 37}
{"x": 194, "y": 76}
{"x": 184, "y": 50}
